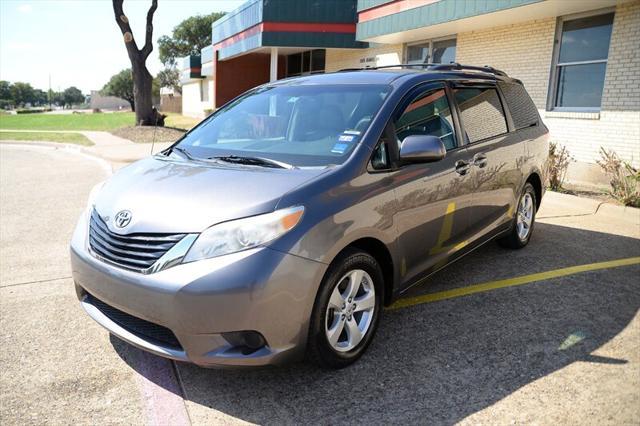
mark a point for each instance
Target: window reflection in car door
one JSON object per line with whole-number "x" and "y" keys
{"x": 433, "y": 198}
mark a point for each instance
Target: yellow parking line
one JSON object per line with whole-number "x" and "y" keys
{"x": 511, "y": 282}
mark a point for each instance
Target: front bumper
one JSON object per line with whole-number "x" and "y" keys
{"x": 259, "y": 290}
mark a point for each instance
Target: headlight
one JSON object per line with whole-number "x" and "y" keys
{"x": 242, "y": 234}
{"x": 94, "y": 194}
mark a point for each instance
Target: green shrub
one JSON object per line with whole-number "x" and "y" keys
{"x": 625, "y": 179}
{"x": 28, "y": 111}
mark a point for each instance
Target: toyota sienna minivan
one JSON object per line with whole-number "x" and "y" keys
{"x": 281, "y": 225}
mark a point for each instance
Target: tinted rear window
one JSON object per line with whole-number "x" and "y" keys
{"x": 523, "y": 111}
{"x": 482, "y": 113}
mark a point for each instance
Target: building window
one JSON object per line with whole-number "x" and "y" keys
{"x": 204, "y": 90}
{"x": 305, "y": 63}
{"x": 580, "y": 62}
{"x": 433, "y": 51}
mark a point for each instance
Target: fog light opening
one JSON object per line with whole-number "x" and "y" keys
{"x": 246, "y": 342}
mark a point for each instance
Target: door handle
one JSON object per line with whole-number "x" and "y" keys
{"x": 479, "y": 160}
{"x": 462, "y": 167}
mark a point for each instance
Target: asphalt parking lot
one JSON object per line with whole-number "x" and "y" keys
{"x": 562, "y": 347}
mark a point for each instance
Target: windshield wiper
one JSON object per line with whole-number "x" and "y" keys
{"x": 253, "y": 161}
{"x": 182, "y": 151}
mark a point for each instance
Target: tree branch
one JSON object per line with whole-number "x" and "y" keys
{"x": 125, "y": 29}
{"x": 148, "y": 42}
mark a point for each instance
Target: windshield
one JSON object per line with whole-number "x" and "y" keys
{"x": 304, "y": 125}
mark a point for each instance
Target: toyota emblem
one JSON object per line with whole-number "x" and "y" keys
{"x": 122, "y": 218}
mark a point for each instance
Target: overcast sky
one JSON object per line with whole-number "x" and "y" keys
{"x": 78, "y": 41}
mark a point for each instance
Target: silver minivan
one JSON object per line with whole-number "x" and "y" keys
{"x": 282, "y": 224}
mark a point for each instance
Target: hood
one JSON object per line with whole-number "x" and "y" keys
{"x": 165, "y": 195}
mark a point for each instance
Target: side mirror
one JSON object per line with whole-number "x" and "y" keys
{"x": 422, "y": 149}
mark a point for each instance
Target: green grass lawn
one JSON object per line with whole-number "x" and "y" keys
{"x": 75, "y": 138}
{"x": 101, "y": 121}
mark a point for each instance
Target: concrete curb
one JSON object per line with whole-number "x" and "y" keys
{"x": 84, "y": 149}
{"x": 64, "y": 146}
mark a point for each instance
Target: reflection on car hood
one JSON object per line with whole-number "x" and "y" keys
{"x": 167, "y": 196}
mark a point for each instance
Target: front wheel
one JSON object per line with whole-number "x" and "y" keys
{"x": 347, "y": 310}
{"x": 523, "y": 222}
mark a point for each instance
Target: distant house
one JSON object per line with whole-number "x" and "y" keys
{"x": 99, "y": 101}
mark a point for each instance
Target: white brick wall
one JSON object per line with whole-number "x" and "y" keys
{"x": 618, "y": 126}
{"x": 385, "y": 54}
{"x": 525, "y": 52}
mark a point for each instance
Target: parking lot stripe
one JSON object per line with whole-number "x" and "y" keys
{"x": 511, "y": 282}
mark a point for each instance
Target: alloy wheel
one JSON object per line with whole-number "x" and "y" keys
{"x": 524, "y": 216}
{"x": 350, "y": 310}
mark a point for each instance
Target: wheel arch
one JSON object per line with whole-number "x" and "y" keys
{"x": 382, "y": 254}
{"x": 535, "y": 180}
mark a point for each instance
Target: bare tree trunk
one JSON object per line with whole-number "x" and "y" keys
{"x": 146, "y": 115}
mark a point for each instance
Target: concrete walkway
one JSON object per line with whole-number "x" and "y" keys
{"x": 116, "y": 150}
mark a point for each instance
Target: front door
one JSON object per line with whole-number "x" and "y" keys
{"x": 433, "y": 198}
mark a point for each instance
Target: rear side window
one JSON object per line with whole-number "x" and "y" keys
{"x": 481, "y": 112}
{"x": 523, "y": 111}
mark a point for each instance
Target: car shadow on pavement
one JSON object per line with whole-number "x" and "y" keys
{"x": 441, "y": 362}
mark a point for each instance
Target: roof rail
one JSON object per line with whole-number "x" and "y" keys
{"x": 436, "y": 67}
{"x": 457, "y": 66}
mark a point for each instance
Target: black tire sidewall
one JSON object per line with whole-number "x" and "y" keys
{"x": 319, "y": 349}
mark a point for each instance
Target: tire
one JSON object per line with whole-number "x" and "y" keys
{"x": 525, "y": 212}
{"x": 334, "y": 314}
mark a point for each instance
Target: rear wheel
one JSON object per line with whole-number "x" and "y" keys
{"x": 347, "y": 310}
{"x": 524, "y": 220}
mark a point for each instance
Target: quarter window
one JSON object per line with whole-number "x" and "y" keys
{"x": 523, "y": 111}
{"x": 428, "y": 114}
{"x": 581, "y": 63}
{"x": 481, "y": 113}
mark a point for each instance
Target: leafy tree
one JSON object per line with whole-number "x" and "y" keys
{"x": 169, "y": 77}
{"x": 58, "y": 99}
{"x": 72, "y": 95}
{"x": 121, "y": 86}
{"x": 146, "y": 115}
{"x": 5, "y": 90}
{"x": 21, "y": 93}
{"x": 188, "y": 38}
{"x": 40, "y": 97}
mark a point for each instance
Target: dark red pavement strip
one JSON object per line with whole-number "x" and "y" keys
{"x": 162, "y": 395}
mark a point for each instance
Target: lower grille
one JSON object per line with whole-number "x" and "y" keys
{"x": 146, "y": 330}
{"x": 136, "y": 252}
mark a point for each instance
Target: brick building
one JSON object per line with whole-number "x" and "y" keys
{"x": 579, "y": 60}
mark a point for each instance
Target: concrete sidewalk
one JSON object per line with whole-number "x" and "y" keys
{"x": 116, "y": 150}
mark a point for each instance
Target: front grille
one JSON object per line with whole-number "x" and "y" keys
{"x": 136, "y": 252}
{"x": 146, "y": 330}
